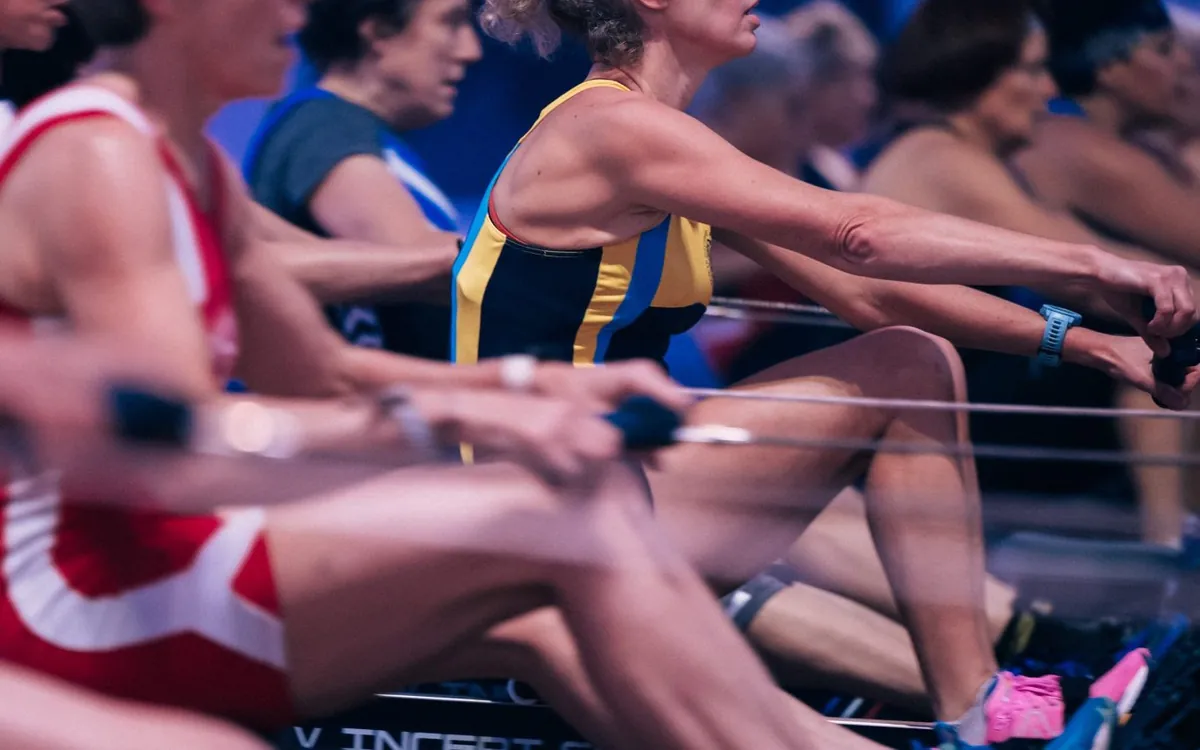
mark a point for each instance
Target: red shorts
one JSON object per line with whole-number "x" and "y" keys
{"x": 176, "y": 610}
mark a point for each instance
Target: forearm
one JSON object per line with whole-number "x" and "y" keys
{"x": 337, "y": 271}
{"x": 972, "y": 319}
{"x": 247, "y": 451}
{"x": 371, "y": 369}
{"x": 886, "y": 240}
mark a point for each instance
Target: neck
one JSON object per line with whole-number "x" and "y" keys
{"x": 1104, "y": 113}
{"x": 366, "y": 91}
{"x": 170, "y": 93}
{"x": 660, "y": 74}
{"x": 971, "y": 130}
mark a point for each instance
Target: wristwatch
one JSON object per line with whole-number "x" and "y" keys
{"x": 1059, "y": 320}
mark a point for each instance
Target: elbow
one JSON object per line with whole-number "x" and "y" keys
{"x": 860, "y": 239}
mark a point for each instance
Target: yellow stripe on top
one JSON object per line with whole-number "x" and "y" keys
{"x": 612, "y": 284}
{"x": 470, "y": 285}
{"x": 687, "y": 269}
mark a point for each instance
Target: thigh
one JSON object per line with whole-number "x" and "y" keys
{"x": 734, "y": 509}
{"x": 381, "y": 580}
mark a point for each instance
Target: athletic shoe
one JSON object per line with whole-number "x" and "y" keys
{"x": 1091, "y": 728}
{"x": 1018, "y": 707}
{"x": 1123, "y": 684}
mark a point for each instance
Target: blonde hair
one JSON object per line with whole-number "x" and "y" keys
{"x": 611, "y": 29}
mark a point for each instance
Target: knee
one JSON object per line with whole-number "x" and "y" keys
{"x": 920, "y": 363}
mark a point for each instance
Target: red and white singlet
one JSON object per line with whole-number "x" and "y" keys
{"x": 178, "y": 610}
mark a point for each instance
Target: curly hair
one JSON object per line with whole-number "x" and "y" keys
{"x": 611, "y": 29}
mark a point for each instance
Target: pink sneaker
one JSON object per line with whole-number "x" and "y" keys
{"x": 1123, "y": 684}
{"x": 1024, "y": 707}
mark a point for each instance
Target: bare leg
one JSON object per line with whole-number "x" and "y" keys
{"x": 382, "y": 581}
{"x": 40, "y": 713}
{"x": 837, "y": 553}
{"x": 923, "y": 508}
{"x": 812, "y": 638}
{"x": 1159, "y": 488}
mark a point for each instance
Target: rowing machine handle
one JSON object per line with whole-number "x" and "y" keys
{"x": 645, "y": 424}
{"x": 140, "y": 417}
{"x": 1185, "y": 353}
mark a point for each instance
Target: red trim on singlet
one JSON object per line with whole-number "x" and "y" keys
{"x": 21, "y": 147}
{"x": 499, "y": 224}
{"x": 208, "y": 227}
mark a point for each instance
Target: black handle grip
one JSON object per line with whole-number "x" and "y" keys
{"x": 138, "y": 416}
{"x": 1185, "y": 353}
{"x": 645, "y": 423}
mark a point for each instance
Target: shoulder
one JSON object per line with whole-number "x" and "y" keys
{"x": 933, "y": 157}
{"x": 318, "y": 124}
{"x": 1072, "y": 144}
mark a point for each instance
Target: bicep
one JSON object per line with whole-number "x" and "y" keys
{"x": 104, "y": 229}
{"x": 670, "y": 162}
{"x": 361, "y": 200}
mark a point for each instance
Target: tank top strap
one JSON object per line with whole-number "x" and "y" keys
{"x": 591, "y": 83}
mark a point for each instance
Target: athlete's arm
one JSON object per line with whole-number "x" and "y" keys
{"x": 40, "y": 713}
{"x": 963, "y": 181}
{"x": 92, "y": 192}
{"x": 964, "y": 316}
{"x": 348, "y": 270}
{"x": 1129, "y": 191}
{"x": 659, "y": 158}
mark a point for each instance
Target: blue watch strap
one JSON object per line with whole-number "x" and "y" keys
{"x": 1058, "y": 321}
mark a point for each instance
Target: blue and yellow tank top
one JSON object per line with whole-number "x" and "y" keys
{"x": 620, "y": 301}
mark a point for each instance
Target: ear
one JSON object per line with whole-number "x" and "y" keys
{"x": 654, "y": 5}
{"x": 1111, "y": 73}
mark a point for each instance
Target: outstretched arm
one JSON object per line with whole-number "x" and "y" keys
{"x": 964, "y": 316}
{"x": 665, "y": 160}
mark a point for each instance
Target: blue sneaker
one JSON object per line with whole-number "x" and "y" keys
{"x": 1091, "y": 728}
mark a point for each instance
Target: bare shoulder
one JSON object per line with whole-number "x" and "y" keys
{"x": 93, "y": 184}
{"x": 1072, "y": 144}
{"x": 615, "y": 126}
{"x": 98, "y": 152}
{"x": 928, "y": 166}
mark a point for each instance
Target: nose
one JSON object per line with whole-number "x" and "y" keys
{"x": 469, "y": 46}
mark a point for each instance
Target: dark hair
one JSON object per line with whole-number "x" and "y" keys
{"x": 332, "y": 34}
{"x": 610, "y": 29}
{"x": 90, "y": 24}
{"x": 951, "y": 51}
{"x": 1086, "y": 35}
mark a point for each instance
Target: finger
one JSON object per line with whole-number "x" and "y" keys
{"x": 1158, "y": 345}
{"x": 651, "y": 382}
{"x": 597, "y": 440}
{"x": 1164, "y": 303}
{"x": 1170, "y": 398}
{"x": 1190, "y": 382}
{"x": 560, "y": 465}
{"x": 1181, "y": 321}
